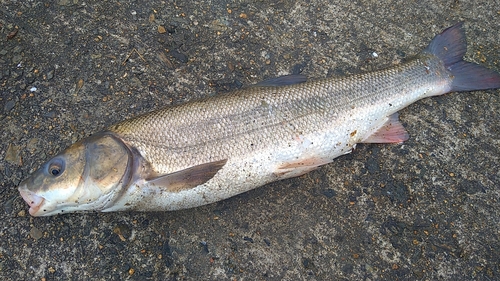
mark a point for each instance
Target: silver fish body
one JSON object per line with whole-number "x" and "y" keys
{"x": 208, "y": 150}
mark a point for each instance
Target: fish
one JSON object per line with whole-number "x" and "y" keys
{"x": 210, "y": 149}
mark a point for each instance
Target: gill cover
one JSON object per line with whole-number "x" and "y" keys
{"x": 85, "y": 176}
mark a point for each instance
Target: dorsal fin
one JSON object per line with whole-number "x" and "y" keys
{"x": 286, "y": 80}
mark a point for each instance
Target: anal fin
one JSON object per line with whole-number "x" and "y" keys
{"x": 391, "y": 132}
{"x": 299, "y": 167}
{"x": 188, "y": 178}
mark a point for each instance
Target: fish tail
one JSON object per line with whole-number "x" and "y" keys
{"x": 450, "y": 46}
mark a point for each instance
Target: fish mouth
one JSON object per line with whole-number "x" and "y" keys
{"x": 33, "y": 200}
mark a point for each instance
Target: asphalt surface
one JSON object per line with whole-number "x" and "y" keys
{"x": 425, "y": 210}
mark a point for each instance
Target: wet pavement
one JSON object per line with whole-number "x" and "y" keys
{"x": 424, "y": 210}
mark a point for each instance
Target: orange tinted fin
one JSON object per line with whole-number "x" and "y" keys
{"x": 299, "y": 167}
{"x": 188, "y": 178}
{"x": 391, "y": 132}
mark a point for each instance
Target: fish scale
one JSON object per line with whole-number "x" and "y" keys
{"x": 243, "y": 122}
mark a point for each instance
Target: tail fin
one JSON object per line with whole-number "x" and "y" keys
{"x": 450, "y": 46}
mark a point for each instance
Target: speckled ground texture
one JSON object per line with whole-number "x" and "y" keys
{"x": 425, "y": 210}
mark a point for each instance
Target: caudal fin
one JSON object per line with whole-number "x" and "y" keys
{"x": 450, "y": 46}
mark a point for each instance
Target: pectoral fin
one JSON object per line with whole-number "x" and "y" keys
{"x": 188, "y": 178}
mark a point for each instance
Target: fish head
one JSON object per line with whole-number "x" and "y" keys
{"x": 86, "y": 176}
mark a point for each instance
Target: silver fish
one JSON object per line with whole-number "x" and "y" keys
{"x": 208, "y": 150}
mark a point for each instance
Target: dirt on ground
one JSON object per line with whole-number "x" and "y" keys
{"x": 427, "y": 209}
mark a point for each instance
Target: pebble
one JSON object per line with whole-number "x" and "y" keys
{"x": 32, "y": 145}
{"x": 7, "y": 206}
{"x": 9, "y": 105}
{"x": 123, "y": 232}
{"x": 50, "y": 114}
{"x": 135, "y": 82}
{"x": 249, "y": 239}
{"x": 329, "y": 193}
{"x": 36, "y": 233}
{"x": 161, "y": 29}
{"x": 30, "y": 78}
{"x": 7, "y": 171}
{"x": 50, "y": 75}
{"x": 17, "y": 59}
{"x": 17, "y": 74}
{"x": 17, "y": 49}
{"x": 13, "y": 155}
{"x": 179, "y": 56}
{"x": 67, "y": 2}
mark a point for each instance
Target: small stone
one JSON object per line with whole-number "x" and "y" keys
{"x": 36, "y": 233}
{"x": 13, "y": 155}
{"x": 79, "y": 84}
{"x": 12, "y": 34}
{"x": 67, "y": 2}
{"x": 329, "y": 193}
{"x": 17, "y": 59}
{"x": 9, "y": 105}
{"x": 171, "y": 28}
{"x": 161, "y": 29}
{"x": 179, "y": 56}
{"x": 50, "y": 75}
{"x": 135, "y": 82}
{"x": 30, "y": 78}
{"x": 32, "y": 145}
{"x": 7, "y": 206}
{"x": 249, "y": 239}
{"x": 50, "y": 114}
{"x": 123, "y": 232}
{"x": 17, "y": 74}
{"x": 7, "y": 171}
{"x": 21, "y": 213}
{"x": 126, "y": 267}
{"x": 17, "y": 49}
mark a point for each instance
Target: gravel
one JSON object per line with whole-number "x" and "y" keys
{"x": 427, "y": 209}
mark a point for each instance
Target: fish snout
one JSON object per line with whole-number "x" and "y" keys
{"x": 33, "y": 200}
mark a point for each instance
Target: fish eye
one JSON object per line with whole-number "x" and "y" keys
{"x": 55, "y": 167}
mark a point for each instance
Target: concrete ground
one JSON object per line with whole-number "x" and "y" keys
{"x": 425, "y": 210}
